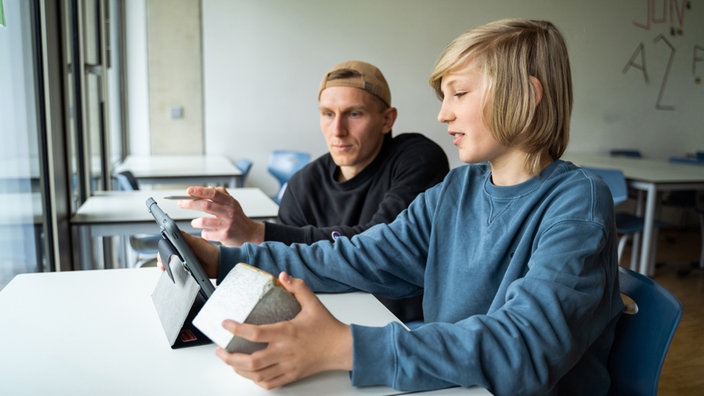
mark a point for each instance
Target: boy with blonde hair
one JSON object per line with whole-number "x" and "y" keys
{"x": 515, "y": 251}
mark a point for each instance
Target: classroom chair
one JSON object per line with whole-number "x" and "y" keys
{"x": 141, "y": 244}
{"x": 628, "y": 153}
{"x": 643, "y": 335}
{"x": 627, "y": 224}
{"x": 125, "y": 181}
{"x": 283, "y": 164}
{"x": 244, "y": 165}
{"x": 280, "y": 194}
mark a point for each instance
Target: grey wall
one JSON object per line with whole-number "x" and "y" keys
{"x": 175, "y": 76}
{"x": 263, "y": 60}
{"x": 136, "y": 76}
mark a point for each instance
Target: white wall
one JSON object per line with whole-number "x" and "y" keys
{"x": 175, "y": 77}
{"x": 263, "y": 61}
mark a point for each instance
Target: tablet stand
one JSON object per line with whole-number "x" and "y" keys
{"x": 177, "y": 302}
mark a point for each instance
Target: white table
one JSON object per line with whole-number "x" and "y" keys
{"x": 182, "y": 169}
{"x": 125, "y": 212}
{"x": 653, "y": 177}
{"x": 113, "y": 213}
{"x": 97, "y": 333}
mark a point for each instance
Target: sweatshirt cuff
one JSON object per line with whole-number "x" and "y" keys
{"x": 373, "y": 359}
{"x": 227, "y": 259}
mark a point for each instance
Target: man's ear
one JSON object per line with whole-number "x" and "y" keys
{"x": 537, "y": 89}
{"x": 390, "y": 115}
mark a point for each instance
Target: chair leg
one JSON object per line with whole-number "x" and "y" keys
{"x": 651, "y": 256}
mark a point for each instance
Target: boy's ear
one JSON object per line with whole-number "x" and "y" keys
{"x": 537, "y": 89}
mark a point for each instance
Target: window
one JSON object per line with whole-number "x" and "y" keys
{"x": 23, "y": 220}
{"x": 60, "y": 72}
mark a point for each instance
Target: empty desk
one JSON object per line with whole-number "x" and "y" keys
{"x": 125, "y": 213}
{"x": 182, "y": 169}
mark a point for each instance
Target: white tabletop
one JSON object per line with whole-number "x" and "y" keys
{"x": 643, "y": 169}
{"x": 97, "y": 333}
{"x": 114, "y": 213}
{"x": 652, "y": 176}
{"x": 179, "y": 168}
{"x": 128, "y": 208}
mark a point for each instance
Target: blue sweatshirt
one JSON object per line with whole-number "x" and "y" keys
{"x": 521, "y": 284}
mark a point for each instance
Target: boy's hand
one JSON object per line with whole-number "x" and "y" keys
{"x": 312, "y": 342}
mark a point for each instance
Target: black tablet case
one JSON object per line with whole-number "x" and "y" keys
{"x": 177, "y": 303}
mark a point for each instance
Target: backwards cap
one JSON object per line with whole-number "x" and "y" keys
{"x": 370, "y": 79}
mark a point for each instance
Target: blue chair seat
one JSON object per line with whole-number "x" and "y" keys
{"x": 283, "y": 164}
{"x": 627, "y": 223}
{"x": 141, "y": 244}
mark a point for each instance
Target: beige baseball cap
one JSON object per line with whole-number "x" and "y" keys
{"x": 363, "y": 76}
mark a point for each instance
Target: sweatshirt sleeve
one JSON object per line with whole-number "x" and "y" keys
{"x": 378, "y": 260}
{"x": 547, "y": 324}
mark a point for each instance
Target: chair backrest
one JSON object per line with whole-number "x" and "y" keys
{"x": 244, "y": 165}
{"x": 643, "y": 335}
{"x": 280, "y": 193}
{"x": 126, "y": 181}
{"x": 284, "y": 163}
{"x": 616, "y": 181}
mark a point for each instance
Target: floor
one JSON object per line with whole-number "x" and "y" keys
{"x": 683, "y": 370}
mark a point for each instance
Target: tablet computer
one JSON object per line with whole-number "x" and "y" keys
{"x": 174, "y": 244}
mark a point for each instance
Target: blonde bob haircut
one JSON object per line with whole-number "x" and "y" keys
{"x": 509, "y": 52}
